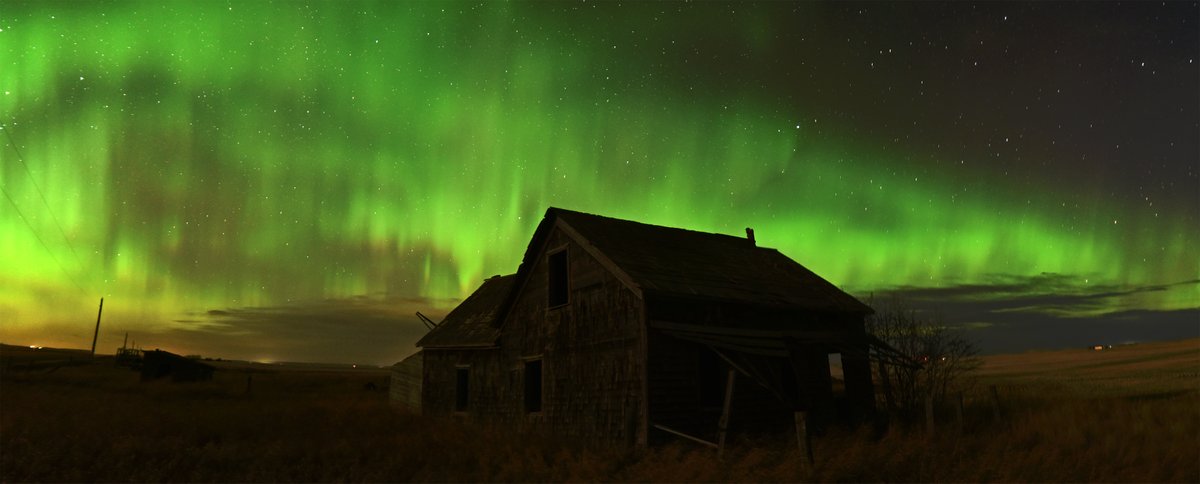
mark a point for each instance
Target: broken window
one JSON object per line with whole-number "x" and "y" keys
{"x": 533, "y": 386}
{"x": 557, "y": 278}
{"x": 462, "y": 388}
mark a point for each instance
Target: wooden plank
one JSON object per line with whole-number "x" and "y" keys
{"x": 762, "y": 333}
{"x": 733, "y": 346}
{"x": 686, "y": 436}
{"x": 803, "y": 441}
{"x": 723, "y": 428}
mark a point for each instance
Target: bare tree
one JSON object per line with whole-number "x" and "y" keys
{"x": 945, "y": 355}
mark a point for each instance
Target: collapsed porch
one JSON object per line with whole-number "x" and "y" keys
{"x": 705, "y": 382}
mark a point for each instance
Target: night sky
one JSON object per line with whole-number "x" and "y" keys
{"x": 292, "y": 181}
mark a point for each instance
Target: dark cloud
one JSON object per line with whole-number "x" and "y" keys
{"x": 371, "y": 329}
{"x": 1014, "y": 313}
{"x": 1003, "y": 314}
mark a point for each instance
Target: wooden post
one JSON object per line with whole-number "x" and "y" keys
{"x": 958, "y": 414}
{"x": 723, "y": 426}
{"x": 97, "y": 333}
{"x": 929, "y": 426}
{"x": 802, "y": 439}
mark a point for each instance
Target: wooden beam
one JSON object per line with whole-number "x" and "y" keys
{"x": 723, "y": 426}
{"x": 96, "y": 335}
{"x": 719, "y": 343}
{"x": 761, "y": 333}
{"x": 802, "y": 439}
{"x": 595, "y": 252}
{"x": 686, "y": 436}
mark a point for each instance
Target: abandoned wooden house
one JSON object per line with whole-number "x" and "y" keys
{"x": 619, "y": 331}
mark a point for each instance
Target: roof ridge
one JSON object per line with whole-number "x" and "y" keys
{"x": 662, "y": 259}
{"x": 559, "y": 210}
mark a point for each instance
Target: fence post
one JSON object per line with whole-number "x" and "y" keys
{"x": 802, "y": 439}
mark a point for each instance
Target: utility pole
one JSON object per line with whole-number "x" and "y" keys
{"x": 97, "y": 333}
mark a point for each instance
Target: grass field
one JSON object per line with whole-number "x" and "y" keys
{"x": 1131, "y": 413}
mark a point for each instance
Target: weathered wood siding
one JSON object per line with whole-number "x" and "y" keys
{"x": 591, "y": 350}
{"x": 440, "y": 382}
{"x": 404, "y": 391}
{"x": 593, "y": 361}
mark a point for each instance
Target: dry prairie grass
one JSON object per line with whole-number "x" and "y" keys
{"x": 1068, "y": 416}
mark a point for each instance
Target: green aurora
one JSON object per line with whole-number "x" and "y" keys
{"x": 204, "y": 156}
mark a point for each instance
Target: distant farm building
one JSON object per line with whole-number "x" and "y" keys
{"x": 619, "y": 331}
{"x": 159, "y": 364}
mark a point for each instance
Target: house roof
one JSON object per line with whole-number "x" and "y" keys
{"x": 655, "y": 260}
{"x": 471, "y": 324}
{"x": 678, "y": 262}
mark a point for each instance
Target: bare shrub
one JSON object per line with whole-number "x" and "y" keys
{"x": 946, "y": 357}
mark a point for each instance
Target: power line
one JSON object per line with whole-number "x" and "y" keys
{"x": 39, "y": 239}
{"x": 38, "y": 188}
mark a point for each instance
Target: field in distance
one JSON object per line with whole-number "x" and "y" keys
{"x": 1129, "y": 413}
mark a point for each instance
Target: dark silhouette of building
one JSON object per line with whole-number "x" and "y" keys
{"x": 158, "y": 364}
{"x": 619, "y": 331}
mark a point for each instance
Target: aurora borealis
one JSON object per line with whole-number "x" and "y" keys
{"x": 291, "y": 181}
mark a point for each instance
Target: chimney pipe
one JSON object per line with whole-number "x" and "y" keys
{"x": 750, "y": 236}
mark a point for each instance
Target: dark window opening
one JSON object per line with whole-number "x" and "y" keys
{"x": 558, "y": 278}
{"x": 462, "y": 388}
{"x": 711, "y": 375}
{"x": 533, "y": 386}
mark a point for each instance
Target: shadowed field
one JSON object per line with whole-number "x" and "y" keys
{"x": 1131, "y": 413}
